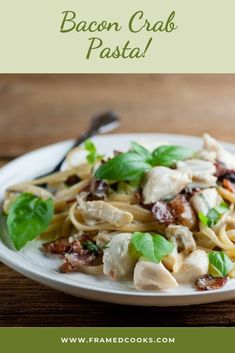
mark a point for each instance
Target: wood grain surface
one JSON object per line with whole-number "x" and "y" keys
{"x": 36, "y": 110}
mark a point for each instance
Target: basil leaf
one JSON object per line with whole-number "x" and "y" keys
{"x": 4, "y": 234}
{"x": 28, "y": 217}
{"x": 203, "y": 218}
{"x": 92, "y": 247}
{"x": 213, "y": 215}
{"x": 153, "y": 247}
{"x": 162, "y": 247}
{"x": 92, "y": 156}
{"x": 125, "y": 166}
{"x": 143, "y": 244}
{"x": 220, "y": 263}
{"x": 167, "y": 156}
{"x": 141, "y": 151}
{"x": 222, "y": 208}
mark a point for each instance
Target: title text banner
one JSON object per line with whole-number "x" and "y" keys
{"x": 104, "y": 36}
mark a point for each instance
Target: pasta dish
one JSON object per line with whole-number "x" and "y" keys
{"x": 161, "y": 216}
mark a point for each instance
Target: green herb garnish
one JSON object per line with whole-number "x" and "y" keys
{"x": 92, "y": 247}
{"x": 167, "y": 156}
{"x": 92, "y": 155}
{"x": 133, "y": 165}
{"x": 213, "y": 215}
{"x": 220, "y": 264}
{"x": 28, "y": 217}
{"x": 141, "y": 151}
{"x": 125, "y": 166}
{"x": 153, "y": 247}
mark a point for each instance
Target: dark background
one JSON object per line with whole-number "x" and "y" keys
{"x": 36, "y": 110}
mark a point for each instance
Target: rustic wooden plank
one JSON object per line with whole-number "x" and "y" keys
{"x": 26, "y": 303}
{"x": 36, "y": 110}
{"x": 2, "y": 162}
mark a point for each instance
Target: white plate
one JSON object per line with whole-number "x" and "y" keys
{"x": 37, "y": 266}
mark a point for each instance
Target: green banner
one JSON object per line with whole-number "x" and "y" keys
{"x": 154, "y": 36}
{"x": 86, "y": 340}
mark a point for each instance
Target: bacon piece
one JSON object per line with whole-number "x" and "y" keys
{"x": 72, "y": 262}
{"x": 182, "y": 211}
{"x": 97, "y": 189}
{"x": 226, "y": 176}
{"x": 177, "y": 211}
{"x": 223, "y": 173}
{"x": 162, "y": 212}
{"x": 66, "y": 246}
{"x": 75, "y": 253}
{"x": 208, "y": 282}
{"x": 62, "y": 246}
{"x": 72, "y": 180}
{"x": 220, "y": 169}
{"x": 228, "y": 185}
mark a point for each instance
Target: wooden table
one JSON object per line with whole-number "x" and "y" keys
{"x": 37, "y": 110}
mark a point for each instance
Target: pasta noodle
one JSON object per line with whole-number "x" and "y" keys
{"x": 67, "y": 213}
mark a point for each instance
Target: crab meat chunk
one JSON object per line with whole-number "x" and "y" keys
{"x": 182, "y": 236}
{"x": 222, "y": 155}
{"x": 193, "y": 267}
{"x": 163, "y": 183}
{"x": 202, "y": 172}
{"x": 117, "y": 260}
{"x": 204, "y": 200}
{"x": 105, "y": 212}
{"x": 150, "y": 275}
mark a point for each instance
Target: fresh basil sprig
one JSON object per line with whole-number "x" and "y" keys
{"x": 125, "y": 166}
{"x": 141, "y": 151}
{"x": 92, "y": 247}
{"x": 92, "y": 155}
{"x": 167, "y": 156}
{"x": 134, "y": 164}
{"x": 220, "y": 264}
{"x": 152, "y": 247}
{"x": 28, "y": 217}
{"x": 213, "y": 215}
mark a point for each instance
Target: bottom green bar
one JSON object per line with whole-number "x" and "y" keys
{"x": 34, "y": 340}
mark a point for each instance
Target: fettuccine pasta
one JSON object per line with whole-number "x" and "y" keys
{"x": 161, "y": 218}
